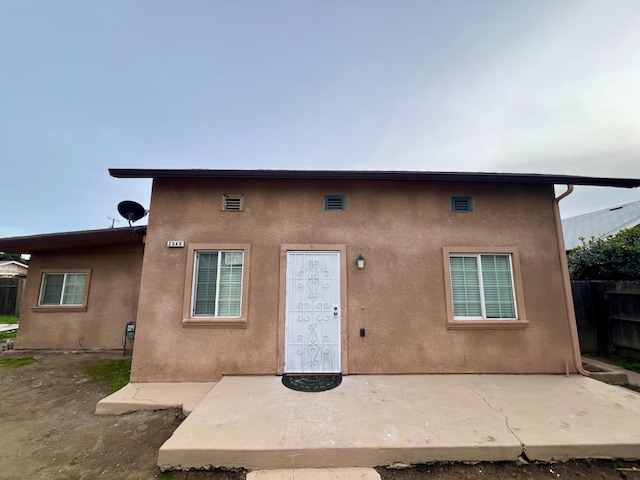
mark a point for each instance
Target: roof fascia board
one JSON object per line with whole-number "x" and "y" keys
{"x": 477, "y": 177}
{"x": 61, "y": 240}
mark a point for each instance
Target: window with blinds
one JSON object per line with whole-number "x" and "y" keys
{"x": 217, "y": 289}
{"x": 482, "y": 287}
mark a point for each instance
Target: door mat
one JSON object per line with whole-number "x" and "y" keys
{"x": 311, "y": 383}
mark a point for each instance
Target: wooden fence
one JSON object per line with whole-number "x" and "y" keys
{"x": 608, "y": 317}
{"x": 10, "y": 295}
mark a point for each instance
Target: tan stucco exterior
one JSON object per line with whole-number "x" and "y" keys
{"x": 111, "y": 300}
{"x": 402, "y": 228}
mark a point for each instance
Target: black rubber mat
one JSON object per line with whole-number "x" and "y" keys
{"x": 311, "y": 383}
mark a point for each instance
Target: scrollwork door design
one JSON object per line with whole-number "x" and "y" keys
{"x": 312, "y": 322}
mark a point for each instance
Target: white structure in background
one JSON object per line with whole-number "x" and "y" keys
{"x": 12, "y": 268}
{"x": 599, "y": 224}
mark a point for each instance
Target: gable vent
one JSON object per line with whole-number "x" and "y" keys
{"x": 461, "y": 204}
{"x": 334, "y": 202}
{"x": 232, "y": 203}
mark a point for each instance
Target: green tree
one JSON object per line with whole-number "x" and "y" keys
{"x": 7, "y": 257}
{"x": 612, "y": 258}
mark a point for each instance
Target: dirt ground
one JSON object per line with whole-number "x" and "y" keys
{"x": 48, "y": 431}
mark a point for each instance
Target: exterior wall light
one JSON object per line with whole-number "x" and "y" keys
{"x": 360, "y": 261}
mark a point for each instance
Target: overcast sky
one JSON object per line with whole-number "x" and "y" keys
{"x": 538, "y": 86}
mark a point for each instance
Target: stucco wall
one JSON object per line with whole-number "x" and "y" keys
{"x": 112, "y": 299}
{"x": 399, "y": 297}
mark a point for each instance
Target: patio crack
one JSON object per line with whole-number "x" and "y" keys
{"x": 506, "y": 422}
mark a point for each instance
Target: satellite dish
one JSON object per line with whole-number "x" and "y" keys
{"x": 131, "y": 211}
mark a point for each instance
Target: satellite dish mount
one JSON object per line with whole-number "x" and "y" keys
{"x": 131, "y": 211}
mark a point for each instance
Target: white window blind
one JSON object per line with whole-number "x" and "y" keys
{"x": 498, "y": 286}
{"x": 482, "y": 287}
{"x": 217, "y": 288}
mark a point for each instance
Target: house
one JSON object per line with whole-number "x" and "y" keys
{"x": 13, "y": 275}
{"x": 81, "y": 289}
{"x": 265, "y": 272}
{"x": 599, "y": 224}
{"x": 12, "y": 268}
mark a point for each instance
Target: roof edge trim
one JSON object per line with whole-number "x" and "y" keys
{"x": 478, "y": 177}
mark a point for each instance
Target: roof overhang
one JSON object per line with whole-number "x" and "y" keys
{"x": 72, "y": 240}
{"x": 477, "y": 177}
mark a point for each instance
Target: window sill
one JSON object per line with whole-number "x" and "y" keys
{"x": 215, "y": 322}
{"x": 487, "y": 324}
{"x": 61, "y": 308}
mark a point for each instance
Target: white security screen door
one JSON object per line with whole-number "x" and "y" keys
{"x": 312, "y": 318}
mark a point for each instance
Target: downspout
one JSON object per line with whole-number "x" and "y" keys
{"x": 566, "y": 282}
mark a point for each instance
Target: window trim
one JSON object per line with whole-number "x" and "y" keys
{"x": 516, "y": 277}
{"x": 63, "y": 308}
{"x": 224, "y": 322}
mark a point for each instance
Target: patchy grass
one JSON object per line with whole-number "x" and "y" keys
{"x": 12, "y": 320}
{"x": 6, "y": 335}
{"x": 114, "y": 374}
{"x": 16, "y": 362}
{"x": 633, "y": 366}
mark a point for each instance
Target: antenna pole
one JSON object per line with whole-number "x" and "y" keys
{"x": 113, "y": 221}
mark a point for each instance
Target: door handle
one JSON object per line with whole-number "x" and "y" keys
{"x": 335, "y": 311}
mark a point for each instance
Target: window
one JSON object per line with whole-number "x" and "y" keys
{"x": 482, "y": 287}
{"x": 334, "y": 203}
{"x": 461, "y": 204}
{"x": 217, "y": 290}
{"x": 63, "y": 289}
{"x": 216, "y": 293}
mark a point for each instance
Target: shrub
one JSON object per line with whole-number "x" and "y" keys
{"x": 612, "y": 258}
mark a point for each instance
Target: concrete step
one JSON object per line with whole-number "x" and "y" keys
{"x": 154, "y": 396}
{"x": 608, "y": 372}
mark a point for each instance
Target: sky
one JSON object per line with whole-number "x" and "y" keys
{"x": 537, "y": 86}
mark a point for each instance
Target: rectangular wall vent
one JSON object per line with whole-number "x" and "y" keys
{"x": 232, "y": 203}
{"x": 461, "y": 204}
{"x": 334, "y": 202}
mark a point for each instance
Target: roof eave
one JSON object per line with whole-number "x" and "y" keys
{"x": 477, "y": 177}
{"x": 54, "y": 241}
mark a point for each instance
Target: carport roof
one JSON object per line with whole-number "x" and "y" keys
{"x": 78, "y": 239}
{"x": 481, "y": 177}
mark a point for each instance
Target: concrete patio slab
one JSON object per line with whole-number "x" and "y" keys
{"x": 315, "y": 474}
{"x": 575, "y": 417}
{"x": 257, "y": 423}
{"x": 154, "y": 396}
